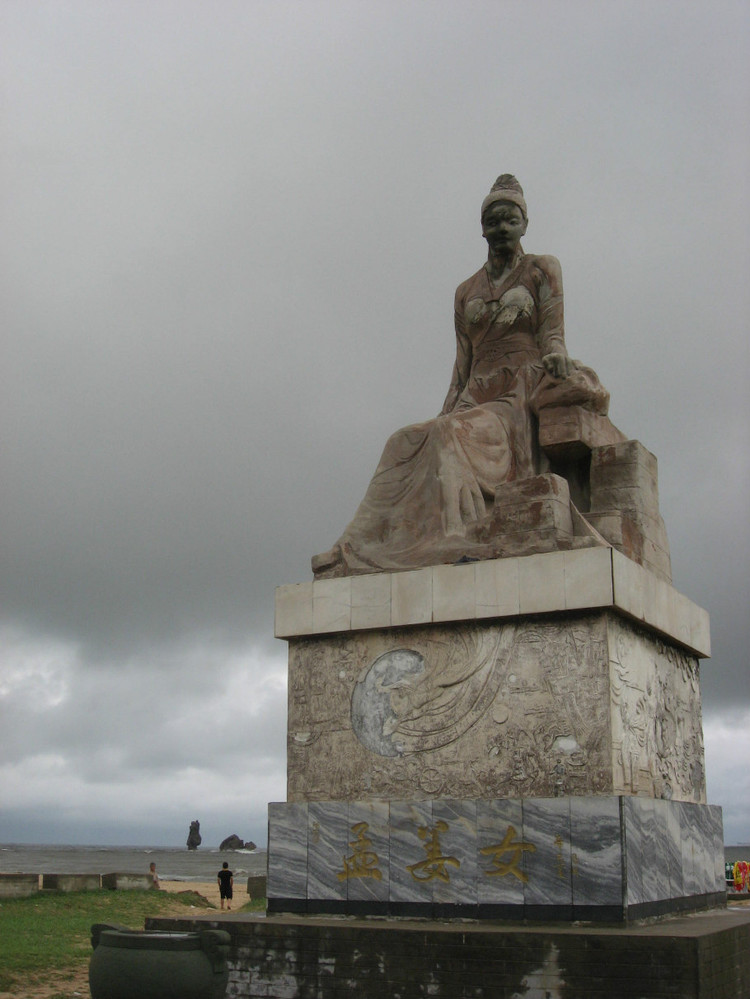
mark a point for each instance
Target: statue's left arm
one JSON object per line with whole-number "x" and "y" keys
{"x": 551, "y": 325}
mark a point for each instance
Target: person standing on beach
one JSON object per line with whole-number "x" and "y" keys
{"x": 154, "y": 876}
{"x": 226, "y": 883}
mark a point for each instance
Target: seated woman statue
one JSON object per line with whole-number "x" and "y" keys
{"x": 436, "y": 481}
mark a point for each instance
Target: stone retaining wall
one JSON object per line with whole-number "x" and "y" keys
{"x": 696, "y": 958}
{"x": 71, "y": 882}
{"x": 127, "y": 882}
{"x": 18, "y": 885}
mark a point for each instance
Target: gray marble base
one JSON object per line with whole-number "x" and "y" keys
{"x": 593, "y": 857}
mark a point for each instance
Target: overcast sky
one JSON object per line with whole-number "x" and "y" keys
{"x": 231, "y": 237}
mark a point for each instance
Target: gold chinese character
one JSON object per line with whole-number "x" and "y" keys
{"x": 434, "y": 866}
{"x": 508, "y": 845}
{"x": 560, "y": 864}
{"x": 363, "y": 862}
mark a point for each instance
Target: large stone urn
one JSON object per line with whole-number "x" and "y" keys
{"x": 132, "y": 964}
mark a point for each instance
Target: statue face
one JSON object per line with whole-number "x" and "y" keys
{"x": 503, "y": 225}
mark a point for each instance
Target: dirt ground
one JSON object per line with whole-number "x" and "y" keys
{"x": 54, "y": 985}
{"x": 74, "y": 984}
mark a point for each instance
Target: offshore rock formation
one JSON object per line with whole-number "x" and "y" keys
{"x": 194, "y": 839}
{"x": 235, "y": 842}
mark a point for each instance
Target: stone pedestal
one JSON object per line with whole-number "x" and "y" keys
{"x": 594, "y": 858}
{"x": 545, "y": 705}
{"x": 571, "y": 672}
{"x": 690, "y": 957}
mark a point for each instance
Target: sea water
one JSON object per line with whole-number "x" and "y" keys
{"x": 172, "y": 863}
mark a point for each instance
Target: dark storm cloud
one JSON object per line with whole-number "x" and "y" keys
{"x": 231, "y": 241}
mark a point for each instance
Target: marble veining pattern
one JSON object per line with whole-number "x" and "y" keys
{"x": 546, "y": 824}
{"x": 704, "y": 866}
{"x": 287, "y": 850}
{"x": 691, "y": 847}
{"x": 327, "y": 843}
{"x": 596, "y": 859}
{"x": 717, "y": 836}
{"x": 634, "y": 851}
{"x": 409, "y": 883}
{"x": 460, "y": 841}
{"x": 652, "y": 871}
{"x": 673, "y": 857}
{"x": 542, "y": 852}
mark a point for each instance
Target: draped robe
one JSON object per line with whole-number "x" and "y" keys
{"x": 437, "y": 480}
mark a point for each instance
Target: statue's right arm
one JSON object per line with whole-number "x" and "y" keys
{"x": 462, "y": 367}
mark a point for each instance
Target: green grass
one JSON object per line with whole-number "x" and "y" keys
{"x": 53, "y": 931}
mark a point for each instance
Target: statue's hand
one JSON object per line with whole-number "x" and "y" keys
{"x": 471, "y": 503}
{"x": 560, "y": 366}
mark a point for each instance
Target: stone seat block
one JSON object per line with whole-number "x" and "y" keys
{"x": 540, "y": 502}
{"x": 624, "y": 476}
{"x": 641, "y": 538}
{"x": 571, "y": 432}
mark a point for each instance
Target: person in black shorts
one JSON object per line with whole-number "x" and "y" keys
{"x": 226, "y": 881}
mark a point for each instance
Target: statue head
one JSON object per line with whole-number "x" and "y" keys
{"x": 506, "y": 188}
{"x": 504, "y": 218}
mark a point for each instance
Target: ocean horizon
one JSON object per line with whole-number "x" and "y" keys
{"x": 172, "y": 863}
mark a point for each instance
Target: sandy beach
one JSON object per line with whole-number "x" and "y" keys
{"x": 210, "y": 891}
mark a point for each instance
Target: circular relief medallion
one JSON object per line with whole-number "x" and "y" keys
{"x": 373, "y": 717}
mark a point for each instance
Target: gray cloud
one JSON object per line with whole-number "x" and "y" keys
{"x": 231, "y": 241}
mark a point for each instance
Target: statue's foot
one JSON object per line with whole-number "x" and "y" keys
{"x": 328, "y": 563}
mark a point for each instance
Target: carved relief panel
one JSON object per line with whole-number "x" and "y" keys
{"x": 657, "y": 733}
{"x": 465, "y": 710}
